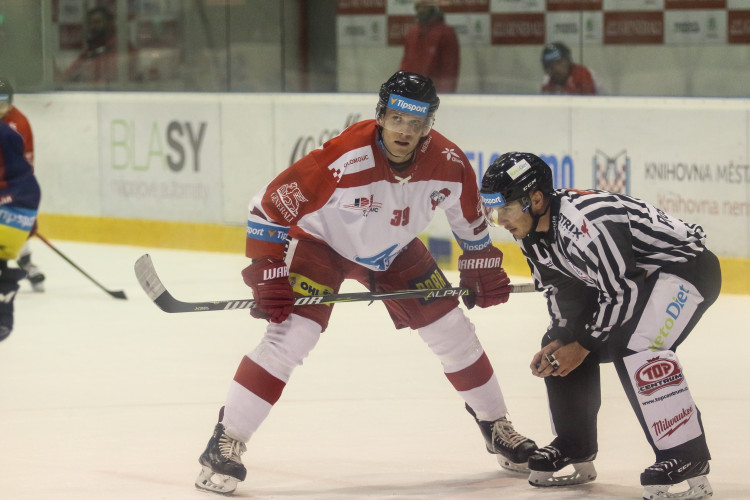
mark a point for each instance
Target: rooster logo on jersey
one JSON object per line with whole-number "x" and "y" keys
{"x": 437, "y": 197}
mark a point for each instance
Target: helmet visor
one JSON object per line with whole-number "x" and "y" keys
{"x": 497, "y": 212}
{"x": 407, "y": 116}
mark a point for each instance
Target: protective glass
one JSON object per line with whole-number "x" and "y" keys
{"x": 497, "y": 211}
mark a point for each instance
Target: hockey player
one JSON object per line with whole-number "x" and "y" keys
{"x": 563, "y": 76}
{"x": 352, "y": 210}
{"x": 625, "y": 282}
{"x": 11, "y": 115}
{"x": 19, "y": 201}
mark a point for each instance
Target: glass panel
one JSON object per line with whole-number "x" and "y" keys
{"x": 631, "y": 47}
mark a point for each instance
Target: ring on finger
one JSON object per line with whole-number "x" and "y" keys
{"x": 552, "y": 360}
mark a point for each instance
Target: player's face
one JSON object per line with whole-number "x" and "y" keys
{"x": 4, "y": 108}
{"x": 401, "y": 133}
{"x": 514, "y": 217}
{"x": 559, "y": 71}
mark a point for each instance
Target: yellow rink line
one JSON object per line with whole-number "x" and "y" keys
{"x": 231, "y": 239}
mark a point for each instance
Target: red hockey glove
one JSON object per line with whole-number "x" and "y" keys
{"x": 269, "y": 279}
{"x": 481, "y": 273}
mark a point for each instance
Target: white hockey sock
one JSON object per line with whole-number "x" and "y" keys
{"x": 454, "y": 342}
{"x": 282, "y": 349}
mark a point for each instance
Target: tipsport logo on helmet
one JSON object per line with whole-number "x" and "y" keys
{"x": 408, "y": 105}
{"x": 493, "y": 199}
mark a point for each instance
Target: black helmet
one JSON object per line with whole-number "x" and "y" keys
{"x": 411, "y": 86}
{"x": 513, "y": 176}
{"x": 554, "y": 51}
{"x": 6, "y": 90}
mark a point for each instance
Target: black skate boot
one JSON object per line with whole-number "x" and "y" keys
{"x": 222, "y": 465}
{"x": 9, "y": 278}
{"x": 546, "y": 461}
{"x": 35, "y": 277}
{"x": 657, "y": 479}
{"x": 512, "y": 449}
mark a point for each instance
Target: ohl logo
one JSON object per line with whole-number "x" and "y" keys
{"x": 656, "y": 374}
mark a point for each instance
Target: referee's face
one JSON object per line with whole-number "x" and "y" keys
{"x": 515, "y": 218}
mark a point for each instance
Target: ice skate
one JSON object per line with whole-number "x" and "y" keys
{"x": 35, "y": 277}
{"x": 546, "y": 461}
{"x": 512, "y": 449}
{"x": 660, "y": 477}
{"x": 222, "y": 465}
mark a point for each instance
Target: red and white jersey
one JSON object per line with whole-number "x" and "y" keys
{"x": 580, "y": 82}
{"x": 346, "y": 195}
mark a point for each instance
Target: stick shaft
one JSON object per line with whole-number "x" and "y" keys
{"x": 155, "y": 289}
{"x": 118, "y": 294}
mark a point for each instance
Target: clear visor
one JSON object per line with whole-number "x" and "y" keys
{"x": 497, "y": 212}
{"x": 402, "y": 122}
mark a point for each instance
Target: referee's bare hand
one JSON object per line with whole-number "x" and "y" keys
{"x": 566, "y": 359}
{"x": 541, "y": 363}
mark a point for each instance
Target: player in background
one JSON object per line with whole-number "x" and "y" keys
{"x": 625, "y": 283}
{"x": 18, "y": 122}
{"x": 352, "y": 209}
{"x": 19, "y": 202}
{"x": 563, "y": 76}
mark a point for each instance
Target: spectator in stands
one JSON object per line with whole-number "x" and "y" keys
{"x": 431, "y": 47}
{"x": 562, "y": 75}
{"x": 98, "y": 62}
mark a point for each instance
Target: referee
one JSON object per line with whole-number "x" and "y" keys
{"x": 625, "y": 283}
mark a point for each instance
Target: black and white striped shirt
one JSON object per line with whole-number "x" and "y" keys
{"x": 594, "y": 259}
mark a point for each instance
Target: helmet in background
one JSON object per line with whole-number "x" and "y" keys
{"x": 553, "y": 52}
{"x": 513, "y": 176}
{"x": 6, "y": 90}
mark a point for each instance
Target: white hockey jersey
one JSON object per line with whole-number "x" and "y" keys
{"x": 346, "y": 195}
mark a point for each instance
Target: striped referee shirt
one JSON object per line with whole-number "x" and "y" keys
{"x": 593, "y": 261}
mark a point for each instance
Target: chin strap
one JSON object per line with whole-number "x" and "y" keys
{"x": 535, "y": 218}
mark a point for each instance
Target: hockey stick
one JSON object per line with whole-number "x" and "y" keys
{"x": 157, "y": 292}
{"x": 118, "y": 294}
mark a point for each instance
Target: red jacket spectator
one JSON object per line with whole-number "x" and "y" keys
{"x": 431, "y": 48}
{"x": 562, "y": 75}
{"x": 99, "y": 60}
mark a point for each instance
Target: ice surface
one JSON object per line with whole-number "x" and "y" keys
{"x": 104, "y": 398}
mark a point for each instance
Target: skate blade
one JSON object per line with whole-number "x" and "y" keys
{"x": 698, "y": 487}
{"x": 512, "y": 466}
{"x": 222, "y": 484}
{"x": 584, "y": 472}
